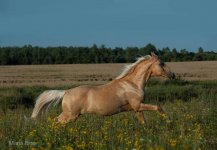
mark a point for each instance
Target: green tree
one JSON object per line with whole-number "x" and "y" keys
{"x": 150, "y": 48}
{"x": 200, "y": 50}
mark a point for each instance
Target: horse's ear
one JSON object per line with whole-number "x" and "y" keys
{"x": 154, "y": 55}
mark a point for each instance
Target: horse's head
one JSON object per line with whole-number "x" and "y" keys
{"x": 159, "y": 68}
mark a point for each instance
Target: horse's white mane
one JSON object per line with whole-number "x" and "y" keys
{"x": 127, "y": 69}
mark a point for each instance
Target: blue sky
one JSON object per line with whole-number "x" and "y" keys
{"x": 115, "y": 23}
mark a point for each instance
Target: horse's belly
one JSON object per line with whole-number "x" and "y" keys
{"x": 105, "y": 108}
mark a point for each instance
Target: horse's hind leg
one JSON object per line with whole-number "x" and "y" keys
{"x": 64, "y": 117}
{"x": 69, "y": 113}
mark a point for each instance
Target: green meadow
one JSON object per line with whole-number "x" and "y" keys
{"x": 190, "y": 123}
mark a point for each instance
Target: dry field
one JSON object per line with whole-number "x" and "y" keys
{"x": 77, "y": 74}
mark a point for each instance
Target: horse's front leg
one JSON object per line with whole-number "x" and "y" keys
{"x": 143, "y": 107}
{"x": 139, "y": 115}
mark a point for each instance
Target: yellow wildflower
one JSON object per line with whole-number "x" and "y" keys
{"x": 69, "y": 148}
{"x": 172, "y": 142}
{"x": 163, "y": 115}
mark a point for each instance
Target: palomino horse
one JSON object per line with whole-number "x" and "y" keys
{"x": 125, "y": 93}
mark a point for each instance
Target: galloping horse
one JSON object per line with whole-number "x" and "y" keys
{"x": 124, "y": 93}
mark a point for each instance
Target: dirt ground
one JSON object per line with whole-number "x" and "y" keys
{"x": 77, "y": 74}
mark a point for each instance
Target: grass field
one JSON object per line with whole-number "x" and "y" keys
{"x": 190, "y": 103}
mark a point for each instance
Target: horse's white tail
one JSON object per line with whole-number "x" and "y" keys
{"x": 47, "y": 98}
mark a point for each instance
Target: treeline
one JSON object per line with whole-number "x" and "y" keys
{"x": 72, "y": 55}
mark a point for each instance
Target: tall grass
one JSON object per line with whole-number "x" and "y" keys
{"x": 190, "y": 124}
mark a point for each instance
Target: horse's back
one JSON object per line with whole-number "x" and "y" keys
{"x": 101, "y": 99}
{"x": 78, "y": 92}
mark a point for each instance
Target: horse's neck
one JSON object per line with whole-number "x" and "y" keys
{"x": 140, "y": 75}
